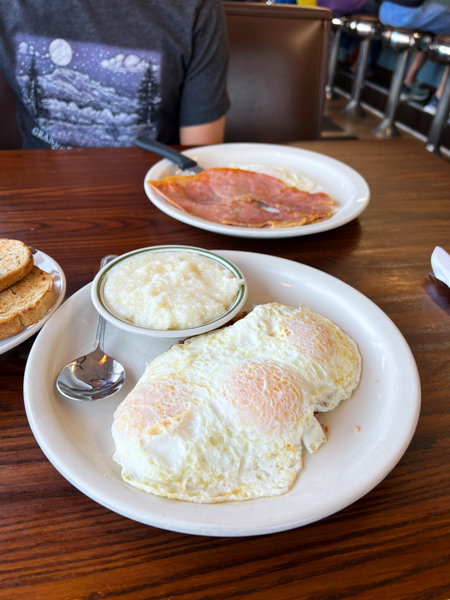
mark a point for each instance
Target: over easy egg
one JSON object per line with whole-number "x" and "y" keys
{"x": 223, "y": 416}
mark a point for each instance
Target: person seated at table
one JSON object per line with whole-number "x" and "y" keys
{"x": 102, "y": 73}
{"x": 424, "y": 15}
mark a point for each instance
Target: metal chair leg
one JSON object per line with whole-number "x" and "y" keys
{"x": 332, "y": 63}
{"x": 439, "y": 120}
{"x": 387, "y": 129}
{"x": 353, "y": 108}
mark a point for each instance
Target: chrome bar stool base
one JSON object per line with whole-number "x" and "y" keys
{"x": 439, "y": 120}
{"x": 353, "y": 107}
{"x": 403, "y": 41}
{"x": 338, "y": 24}
{"x": 367, "y": 28}
{"x": 439, "y": 51}
{"x": 386, "y": 131}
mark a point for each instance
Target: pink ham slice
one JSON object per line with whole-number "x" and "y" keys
{"x": 243, "y": 198}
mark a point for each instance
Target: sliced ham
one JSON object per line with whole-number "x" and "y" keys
{"x": 243, "y": 198}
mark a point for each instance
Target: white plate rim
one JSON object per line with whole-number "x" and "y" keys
{"x": 355, "y": 208}
{"x": 43, "y": 422}
{"x": 41, "y": 260}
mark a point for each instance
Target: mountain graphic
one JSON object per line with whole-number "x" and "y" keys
{"x": 80, "y": 111}
{"x": 67, "y": 85}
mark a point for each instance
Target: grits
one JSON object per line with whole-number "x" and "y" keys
{"x": 170, "y": 290}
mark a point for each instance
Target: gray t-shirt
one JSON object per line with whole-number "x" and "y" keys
{"x": 99, "y": 72}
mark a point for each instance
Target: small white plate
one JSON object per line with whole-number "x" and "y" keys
{"x": 46, "y": 263}
{"x": 347, "y": 187}
{"x": 76, "y": 436}
{"x": 103, "y": 307}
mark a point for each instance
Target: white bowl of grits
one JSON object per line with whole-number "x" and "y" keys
{"x": 169, "y": 291}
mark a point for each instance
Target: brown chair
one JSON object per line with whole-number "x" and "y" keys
{"x": 10, "y": 138}
{"x": 277, "y": 71}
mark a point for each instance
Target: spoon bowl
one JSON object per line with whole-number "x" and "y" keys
{"x": 96, "y": 375}
{"x": 91, "y": 377}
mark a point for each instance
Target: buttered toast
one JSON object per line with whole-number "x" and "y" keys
{"x": 25, "y": 302}
{"x": 16, "y": 261}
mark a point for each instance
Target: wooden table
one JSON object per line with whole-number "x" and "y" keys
{"x": 394, "y": 543}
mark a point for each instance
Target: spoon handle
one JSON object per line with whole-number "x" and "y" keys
{"x": 101, "y": 323}
{"x": 100, "y": 333}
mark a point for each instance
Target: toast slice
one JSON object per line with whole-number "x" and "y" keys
{"x": 25, "y": 302}
{"x": 16, "y": 261}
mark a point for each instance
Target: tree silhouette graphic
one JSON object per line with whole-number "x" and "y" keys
{"x": 148, "y": 98}
{"x": 35, "y": 92}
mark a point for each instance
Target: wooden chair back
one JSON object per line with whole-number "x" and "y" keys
{"x": 277, "y": 71}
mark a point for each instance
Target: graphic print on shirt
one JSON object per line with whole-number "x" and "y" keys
{"x": 83, "y": 94}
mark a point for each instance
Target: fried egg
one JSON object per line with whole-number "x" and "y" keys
{"x": 224, "y": 415}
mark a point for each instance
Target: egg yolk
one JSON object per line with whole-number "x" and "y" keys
{"x": 311, "y": 338}
{"x": 154, "y": 407}
{"x": 266, "y": 396}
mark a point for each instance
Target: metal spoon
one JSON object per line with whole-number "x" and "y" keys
{"x": 96, "y": 375}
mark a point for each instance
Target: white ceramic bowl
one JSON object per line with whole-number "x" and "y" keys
{"x": 103, "y": 307}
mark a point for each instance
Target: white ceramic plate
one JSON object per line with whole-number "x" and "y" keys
{"x": 76, "y": 437}
{"x": 347, "y": 187}
{"x": 44, "y": 262}
{"x": 103, "y": 307}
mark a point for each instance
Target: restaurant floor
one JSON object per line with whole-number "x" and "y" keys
{"x": 339, "y": 126}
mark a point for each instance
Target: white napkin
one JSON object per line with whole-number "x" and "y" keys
{"x": 440, "y": 262}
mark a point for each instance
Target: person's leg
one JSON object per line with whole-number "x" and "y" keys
{"x": 431, "y": 16}
{"x": 440, "y": 88}
{"x": 417, "y": 63}
{"x": 434, "y": 17}
{"x": 396, "y": 15}
{"x": 412, "y": 90}
{"x": 432, "y": 105}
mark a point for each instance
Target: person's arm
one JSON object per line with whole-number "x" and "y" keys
{"x": 204, "y": 101}
{"x": 208, "y": 133}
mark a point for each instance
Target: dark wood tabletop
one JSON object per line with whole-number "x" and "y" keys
{"x": 392, "y": 544}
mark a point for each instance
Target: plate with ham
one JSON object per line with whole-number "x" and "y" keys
{"x": 259, "y": 191}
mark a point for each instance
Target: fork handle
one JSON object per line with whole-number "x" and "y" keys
{"x": 184, "y": 162}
